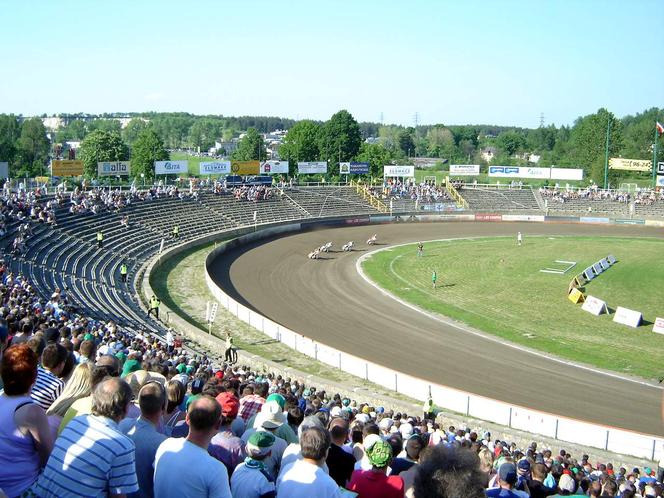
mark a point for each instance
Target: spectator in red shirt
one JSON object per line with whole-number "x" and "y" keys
{"x": 375, "y": 483}
{"x": 251, "y": 404}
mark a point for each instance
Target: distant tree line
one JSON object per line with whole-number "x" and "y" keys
{"x": 147, "y": 136}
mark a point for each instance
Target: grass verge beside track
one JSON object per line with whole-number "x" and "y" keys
{"x": 495, "y": 286}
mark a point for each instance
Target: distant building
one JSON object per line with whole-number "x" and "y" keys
{"x": 488, "y": 153}
{"x": 426, "y": 162}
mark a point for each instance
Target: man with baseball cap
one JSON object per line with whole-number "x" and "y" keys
{"x": 375, "y": 482}
{"x": 251, "y": 479}
{"x": 507, "y": 477}
{"x": 225, "y": 445}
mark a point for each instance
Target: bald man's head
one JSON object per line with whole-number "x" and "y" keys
{"x": 151, "y": 399}
{"x": 111, "y": 398}
{"x": 204, "y": 414}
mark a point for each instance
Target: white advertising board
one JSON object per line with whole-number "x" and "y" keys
{"x": 660, "y": 180}
{"x": 113, "y": 168}
{"x": 594, "y": 306}
{"x": 405, "y": 171}
{"x": 274, "y": 168}
{"x": 171, "y": 167}
{"x": 4, "y": 169}
{"x": 630, "y": 164}
{"x": 464, "y": 169}
{"x": 660, "y": 168}
{"x": 310, "y": 168}
{"x": 627, "y": 317}
{"x": 566, "y": 174}
{"x": 658, "y": 326}
{"x": 215, "y": 168}
{"x": 344, "y": 168}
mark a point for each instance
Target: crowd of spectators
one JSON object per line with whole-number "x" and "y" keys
{"x": 593, "y": 193}
{"x": 424, "y": 192}
{"x": 91, "y": 409}
{"x": 253, "y": 193}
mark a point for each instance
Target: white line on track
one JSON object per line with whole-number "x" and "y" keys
{"x": 449, "y": 322}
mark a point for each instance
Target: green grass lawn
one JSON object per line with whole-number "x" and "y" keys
{"x": 495, "y": 286}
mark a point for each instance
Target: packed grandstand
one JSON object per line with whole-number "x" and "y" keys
{"x": 101, "y": 400}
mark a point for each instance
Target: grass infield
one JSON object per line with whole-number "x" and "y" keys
{"x": 495, "y": 286}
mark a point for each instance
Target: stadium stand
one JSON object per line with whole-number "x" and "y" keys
{"x": 66, "y": 315}
{"x": 496, "y": 200}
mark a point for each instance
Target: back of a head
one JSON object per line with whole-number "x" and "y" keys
{"x": 53, "y": 355}
{"x": 4, "y": 332}
{"x": 204, "y": 414}
{"x": 110, "y": 398}
{"x": 314, "y": 443}
{"x": 152, "y": 398}
{"x": 18, "y": 369}
{"x": 88, "y": 349}
{"x": 449, "y": 473}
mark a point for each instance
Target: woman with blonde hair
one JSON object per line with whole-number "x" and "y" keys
{"x": 175, "y": 391}
{"x": 78, "y": 386}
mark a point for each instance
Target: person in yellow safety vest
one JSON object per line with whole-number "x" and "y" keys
{"x": 100, "y": 240}
{"x": 176, "y": 232}
{"x": 154, "y": 306}
{"x": 123, "y": 272}
{"x": 428, "y": 409}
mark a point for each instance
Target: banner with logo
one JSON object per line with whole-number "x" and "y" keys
{"x": 311, "y": 168}
{"x": 630, "y": 164}
{"x": 245, "y": 168}
{"x": 215, "y": 168}
{"x": 66, "y": 168}
{"x": 344, "y": 168}
{"x": 113, "y": 168}
{"x": 171, "y": 167}
{"x": 464, "y": 169}
{"x": 359, "y": 168}
{"x": 407, "y": 171}
{"x": 4, "y": 170}
{"x": 660, "y": 168}
{"x": 660, "y": 181}
{"x": 538, "y": 173}
{"x": 274, "y": 168}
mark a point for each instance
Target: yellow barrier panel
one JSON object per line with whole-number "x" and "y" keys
{"x": 576, "y": 296}
{"x": 461, "y": 202}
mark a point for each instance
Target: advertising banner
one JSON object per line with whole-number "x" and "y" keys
{"x": 311, "y": 168}
{"x": 658, "y": 326}
{"x": 274, "y": 168}
{"x": 505, "y": 171}
{"x": 523, "y": 217}
{"x": 594, "y": 306}
{"x": 488, "y": 217}
{"x": 566, "y": 174}
{"x": 245, "y": 168}
{"x": 344, "y": 168}
{"x": 171, "y": 167}
{"x": 627, "y": 317}
{"x": 113, "y": 168}
{"x": 66, "y": 168}
{"x": 660, "y": 168}
{"x": 406, "y": 171}
{"x": 4, "y": 170}
{"x": 359, "y": 168}
{"x": 660, "y": 181}
{"x": 630, "y": 164}
{"x": 215, "y": 168}
{"x": 464, "y": 169}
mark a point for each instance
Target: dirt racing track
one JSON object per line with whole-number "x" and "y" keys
{"x": 328, "y": 301}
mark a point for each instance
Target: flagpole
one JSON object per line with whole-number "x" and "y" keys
{"x": 654, "y": 160}
{"x": 606, "y": 155}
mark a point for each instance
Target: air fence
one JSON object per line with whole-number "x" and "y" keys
{"x": 471, "y": 405}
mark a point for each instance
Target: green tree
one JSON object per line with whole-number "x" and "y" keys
{"x": 33, "y": 147}
{"x": 339, "y": 139}
{"x": 147, "y": 149}
{"x": 588, "y": 142}
{"x": 112, "y": 125}
{"x": 251, "y": 147}
{"x": 440, "y": 142}
{"x": 406, "y": 142}
{"x": 203, "y": 133}
{"x": 301, "y": 142}
{"x": 101, "y": 146}
{"x": 133, "y": 129}
{"x": 10, "y": 131}
{"x": 511, "y": 142}
{"x": 377, "y": 155}
{"x": 75, "y": 131}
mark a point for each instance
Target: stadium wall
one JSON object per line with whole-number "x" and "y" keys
{"x": 472, "y": 405}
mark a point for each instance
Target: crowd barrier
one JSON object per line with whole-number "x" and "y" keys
{"x": 471, "y": 405}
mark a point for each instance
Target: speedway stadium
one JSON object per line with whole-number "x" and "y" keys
{"x": 332, "y": 310}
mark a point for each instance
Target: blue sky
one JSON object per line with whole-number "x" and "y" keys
{"x": 452, "y": 62}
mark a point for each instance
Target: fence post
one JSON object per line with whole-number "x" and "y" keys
{"x": 366, "y": 371}
{"x": 396, "y": 382}
{"x": 606, "y": 445}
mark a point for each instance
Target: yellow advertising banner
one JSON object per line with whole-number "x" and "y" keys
{"x": 244, "y": 168}
{"x": 630, "y": 164}
{"x": 67, "y": 168}
{"x": 42, "y": 179}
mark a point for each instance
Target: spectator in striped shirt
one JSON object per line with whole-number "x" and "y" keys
{"x": 49, "y": 385}
{"x": 251, "y": 403}
{"x": 92, "y": 457}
